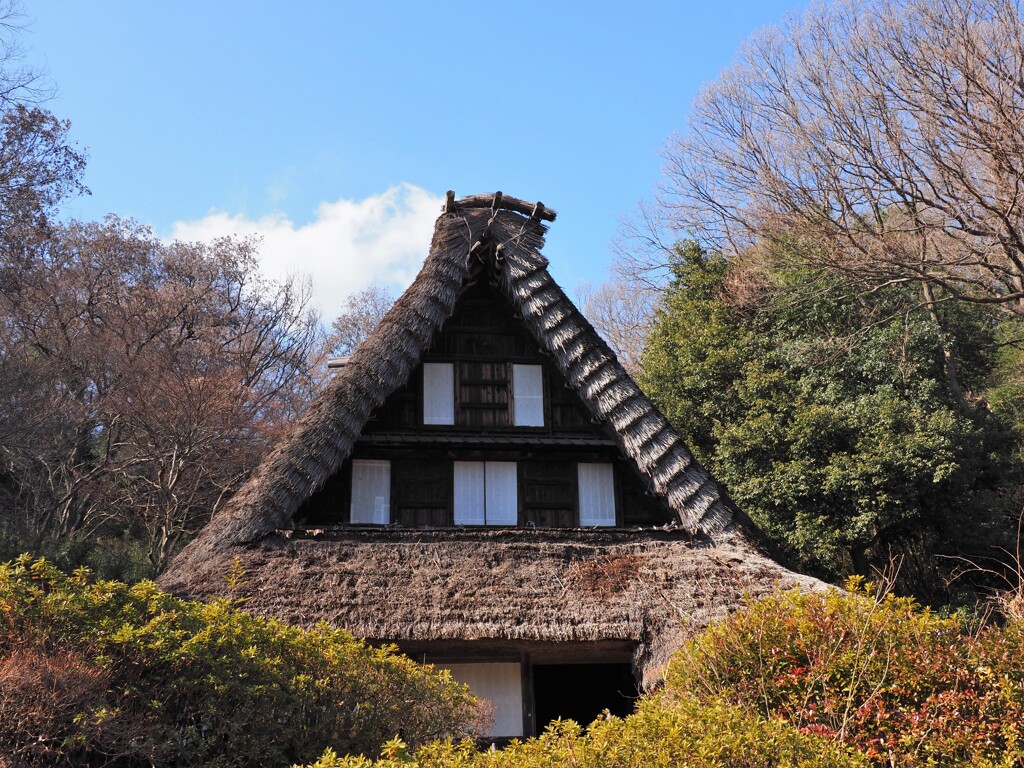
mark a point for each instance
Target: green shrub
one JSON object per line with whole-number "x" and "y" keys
{"x": 97, "y": 672}
{"x": 658, "y": 735}
{"x": 898, "y": 682}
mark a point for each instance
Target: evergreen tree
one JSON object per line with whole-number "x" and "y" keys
{"x": 828, "y": 414}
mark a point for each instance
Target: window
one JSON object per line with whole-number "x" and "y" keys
{"x": 597, "y": 494}
{"x": 486, "y": 493}
{"x": 438, "y": 393}
{"x": 371, "y": 492}
{"x": 528, "y": 396}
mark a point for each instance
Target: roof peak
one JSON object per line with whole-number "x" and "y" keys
{"x": 499, "y": 201}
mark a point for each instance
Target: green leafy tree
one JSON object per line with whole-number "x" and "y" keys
{"x": 827, "y": 412}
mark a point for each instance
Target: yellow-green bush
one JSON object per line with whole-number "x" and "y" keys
{"x": 658, "y": 735}
{"x": 98, "y": 672}
{"x": 827, "y": 679}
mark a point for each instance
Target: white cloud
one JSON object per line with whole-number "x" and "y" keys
{"x": 350, "y": 245}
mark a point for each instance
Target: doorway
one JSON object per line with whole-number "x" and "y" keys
{"x": 582, "y": 691}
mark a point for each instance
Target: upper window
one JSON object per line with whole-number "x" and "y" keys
{"x": 438, "y": 393}
{"x": 527, "y": 396}
{"x": 483, "y": 394}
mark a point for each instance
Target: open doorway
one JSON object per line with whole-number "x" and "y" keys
{"x": 582, "y": 691}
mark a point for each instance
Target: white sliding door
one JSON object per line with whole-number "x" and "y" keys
{"x": 470, "y": 493}
{"x": 502, "y": 685}
{"x": 502, "y": 492}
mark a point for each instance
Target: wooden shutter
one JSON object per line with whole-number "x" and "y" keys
{"x": 469, "y": 493}
{"x": 422, "y": 491}
{"x": 371, "y": 492}
{"x": 597, "y": 494}
{"x": 528, "y": 396}
{"x": 483, "y": 394}
{"x": 438, "y": 393}
{"x": 547, "y": 488}
{"x": 502, "y": 500}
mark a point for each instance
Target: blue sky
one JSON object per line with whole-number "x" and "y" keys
{"x": 335, "y": 128}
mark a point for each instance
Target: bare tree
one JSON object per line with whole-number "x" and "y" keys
{"x": 360, "y": 314}
{"x": 622, "y": 311}
{"x": 145, "y": 379}
{"x": 38, "y": 169}
{"x": 884, "y": 138}
{"x": 19, "y": 82}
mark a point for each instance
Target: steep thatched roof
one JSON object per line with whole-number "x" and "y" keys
{"x": 509, "y": 239}
{"x": 648, "y": 588}
{"x": 549, "y": 586}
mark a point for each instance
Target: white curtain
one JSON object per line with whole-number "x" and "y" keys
{"x": 486, "y": 493}
{"x": 502, "y": 493}
{"x": 469, "y": 493}
{"x": 502, "y": 685}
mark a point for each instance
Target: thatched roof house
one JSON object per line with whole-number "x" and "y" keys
{"x": 483, "y": 484}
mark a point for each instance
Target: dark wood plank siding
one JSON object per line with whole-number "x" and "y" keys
{"x": 421, "y": 492}
{"x": 637, "y": 506}
{"x": 403, "y": 410}
{"x": 483, "y": 396}
{"x": 329, "y": 505}
{"x": 568, "y": 414}
{"x": 547, "y": 493}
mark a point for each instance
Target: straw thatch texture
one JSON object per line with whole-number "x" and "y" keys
{"x": 650, "y": 588}
{"x": 508, "y": 243}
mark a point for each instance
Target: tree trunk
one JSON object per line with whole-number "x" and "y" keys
{"x": 861, "y": 566}
{"x": 948, "y": 350}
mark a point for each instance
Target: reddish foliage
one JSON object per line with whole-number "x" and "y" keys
{"x": 898, "y": 683}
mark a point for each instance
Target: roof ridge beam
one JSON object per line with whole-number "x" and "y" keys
{"x": 499, "y": 201}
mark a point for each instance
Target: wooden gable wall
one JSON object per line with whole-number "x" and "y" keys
{"x": 483, "y": 340}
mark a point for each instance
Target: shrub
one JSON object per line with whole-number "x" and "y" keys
{"x": 898, "y": 682}
{"x": 658, "y": 735}
{"x": 98, "y": 672}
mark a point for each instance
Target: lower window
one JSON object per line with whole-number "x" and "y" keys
{"x": 486, "y": 493}
{"x": 371, "y": 492}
